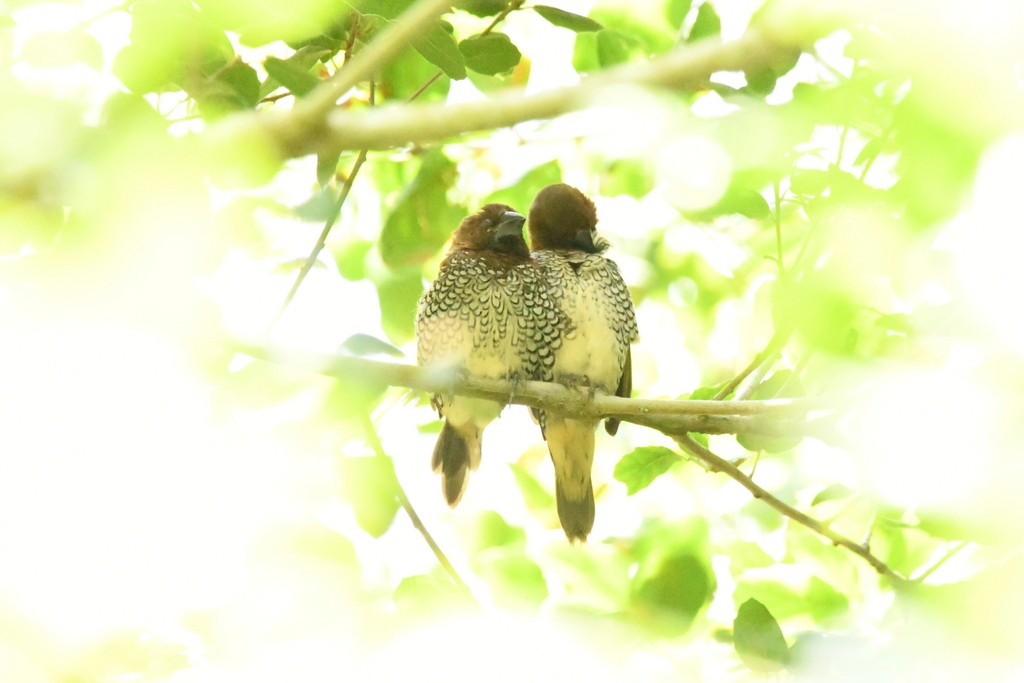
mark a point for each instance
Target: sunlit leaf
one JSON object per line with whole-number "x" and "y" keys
{"x": 480, "y": 8}
{"x": 171, "y": 43}
{"x": 368, "y": 345}
{"x": 409, "y": 75}
{"x": 234, "y": 86}
{"x": 351, "y": 259}
{"x": 438, "y": 46}
{"x": 670, "y": 597}
{"x": 758, "y": 638}
{"x": 631, "y": 177}
{"x": 514, "y": 578}
{"x": 676, "y": 11}
{"x": 422, "y": 219}
{"x": 520, "y": 194}
{"x": 564, "y": 19}
{"x": 707, "y": 23}
{"x": 642, "y": 466}
{"x": 831, "y": 492}
{"x": 493, "y": 531}
{"x": 291, "y": 75}
{"x": 259, "y": 23}
{"x": 536, "y": 497}
{"x": 491, "y": 54}
{"x": 423, "y": 595}
{"x": 399, "y": 293}
{"x": 825, "y": 602}
{"x": 370, "y": 486}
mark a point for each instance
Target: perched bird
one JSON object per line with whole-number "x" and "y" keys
{"x": 594, "y": 351}
{"x": 487, "y": 314}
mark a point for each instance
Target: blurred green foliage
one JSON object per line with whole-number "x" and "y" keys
{"x": 849, "y": 172}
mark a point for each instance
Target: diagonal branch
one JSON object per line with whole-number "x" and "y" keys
{"x": 719, "y": 464}
{"x": 316, "y": 128}
{"x": 776, "y": 417}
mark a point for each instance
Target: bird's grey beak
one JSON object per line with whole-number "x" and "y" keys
{"x": 510, "y": 225}
{"x": 585, "y": 240}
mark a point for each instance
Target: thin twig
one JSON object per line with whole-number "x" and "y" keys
{"x": 375, "y": 443}
{"x": 719, "y": 464}
{"x": 957, "y": 547}
{"x": 321, "y": 241}
{"x": 775, "y": 344}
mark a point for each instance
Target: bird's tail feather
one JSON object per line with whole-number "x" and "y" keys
{"x": 453, "y": 456}
{"x": 575, "y": 516}
{"x": 571, "y": 443}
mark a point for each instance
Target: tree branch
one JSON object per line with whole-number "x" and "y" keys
{"x": 314, "y": 127}
{"x": 775, "y": 417}
{"x": 718, "y": 464}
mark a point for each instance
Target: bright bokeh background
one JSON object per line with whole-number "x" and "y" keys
{"x": 172, "y": 511}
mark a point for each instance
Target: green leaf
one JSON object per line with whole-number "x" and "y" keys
{"x": 758, "y": 638}
{"x": 831, "y": 492}
{"x": 292, "y": 75}
{"x": 809, "y": 182}
{"x": 172, "y": 43}
{"x": 514, "y": 579}
{"x": 494, "y": 532}
{"x": 519, "y": 195}
{"x": 407, "y": 74}
{"x": 632, "y": 177}
{"x": 326, "y": 166}
{"x": 62, "y": 48}
{"x": 676, "y": 11}
{"x": 707, "y": 23}
{"x": 259, "y": 23}
{"x": 491, "y": 54}
{"x": 536, "y": 497}
{"x": 437, "y": 45}
{"x": 368, "y": 345}
{"x": 821, "y": 309}
{"x": 706, "y": 393}
{"x": 399, "y": 293}
{"x": 370, "y": 486}
{"x": 824, "y": 601}
{"x": 319, "y": 207}
{"x": 563, "y": 19}
{"x": 643, "y": 465}
{"x": 234, "y": 87}
{"x": 480, "y": 8}
{"x": 736, "y": 200}
{"x": 612, "y": 48}
{"x": 669, "y": 598}
{"x": 351, "y": 259}
{"x": 422, "y": 220}
{"x": 426, "y": 596}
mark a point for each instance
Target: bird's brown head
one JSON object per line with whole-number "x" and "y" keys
{"x": 494, "y": 228}
{"x": 562, "y": 217}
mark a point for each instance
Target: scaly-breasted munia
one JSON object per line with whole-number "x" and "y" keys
{"x": 592, "y": 293}
{"x": 487, "y": 314}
